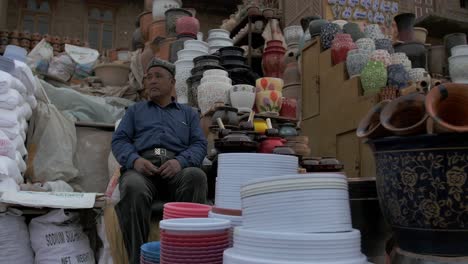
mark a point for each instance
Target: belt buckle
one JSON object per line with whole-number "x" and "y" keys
{"x": 160, "y": 152}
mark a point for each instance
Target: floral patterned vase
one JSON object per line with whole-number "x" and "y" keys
{"x": 268, "y": 102}
{"x": 397, "y": 76}
{"x": 373, "y": 77}
{"x": 269, "y": 84}
{"x": 422, "y": 188}
{"x": 381, "y": 55}
{"x": 327, "y": 34}
{"x": 385, "y": 44}
{"x": 340, "y": 47}
{"x": 356, "y": 61}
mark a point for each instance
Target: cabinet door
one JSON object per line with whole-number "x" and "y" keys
{"x": 310, "y": 81}
{"x": 347, "y": 148}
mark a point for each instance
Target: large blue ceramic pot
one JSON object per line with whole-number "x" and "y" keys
{"x": 422, "y": 184}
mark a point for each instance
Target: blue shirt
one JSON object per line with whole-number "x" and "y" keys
{"x": 146, "y": 125}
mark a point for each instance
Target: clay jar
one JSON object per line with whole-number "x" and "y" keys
{"x": 272, "y": 63}
{"x": 406, "y": 115}
{"x": 356, "y": 62}
{"x": 187, "y": 25}
{"x": 288, "y": 130}
{"x": 373, "y": 77}
{"x": 340, "y": 47}
{"x": 145, "y": 21}
{"x": 172, "y": 15}
{"x": 156, "y": 29}
{"x": 36, "y": 36}
{"x": 446, "y": 104}
{"x": 242, "y": 97}
{"x": 405, "y": 24}
{"x": 397, "y": 76}
{"x": 227, "y": 114}
{"x": 25, "y": 43}
{"x": 211, "y": 92}
{"x": 327, "y": 34}
{"x": 370, "y": 126}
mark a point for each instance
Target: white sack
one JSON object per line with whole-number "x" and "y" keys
{"x": 58, "y": 186}
{"x": 24, "y": 74}
{"x": 9, "y": 118}
{"x": 7, "y": 148}
{"x": 20, "y": 162}
{"x": 6, "y": 82}
{"x": 9, "y": 169}
{"x": 15, "y": 246}
{"x": 10, "y": 100}
{"x": 8, "y": 185}
{"x": 11, "y": 132}
{"x": 19, "y": 145}
{"x": 19, "y": 86}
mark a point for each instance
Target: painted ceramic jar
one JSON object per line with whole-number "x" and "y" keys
{"x": 327, "y": 34}
{"x": 183, "y": 68}
{"x": 340, "y": 47}
{"x": 458, "y": 66}
{"x": 242, "y": 97}
{"x": 381, "y": 55}
{"x": 373, "y": 31}
{"x": 211, "y": 92}
{"x": 405, "y": 25}
{"x": 293, "y": 35}
{"x": 397, "y": 76}
{"x": 366, "y": 44}
{"x": 268, "y": 102}
{"x": 272, "y": 63}
{"x": 452, "y": 40}
{"x": 289, "y": 108}
{"x": 373, "y": 77}
{"x": 418, "y": 75}
{"x": 354, "y": 30}
{"x": 161, "y": 6}
{"x": 269, "y": 84}
{"x": 355, "y": 62}
{"x": 385, "y": 44}
{"x": 172, "y": 15}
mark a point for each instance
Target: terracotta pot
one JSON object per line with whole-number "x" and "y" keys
{"x": 370, "y": 126}
{"x": 148, "y": 5}
{"x": 437, "y": 60}
{"x": 36, "y": 36}
{"x": 145, "y": 21}
{"x": 270, "y": 143}
{"x": 272, "y": 64}
{"x": 157, "y": 29}
{"x": 77, "y": 42}
{"x": 420, "y": 34}
{"x": 112, "y": 74}
{"x": 268, "y": 13}
{"x": 405, "y": 25}
{"x": 452, "y": 40}
{"x": 405, "y": 115}
{"x": 253, "y": 11}
{"x": 416, "y": 52}
{"x": 291, "y": 73}
{"x": 187, "y": 25}
{"x": 14, "y": 34}
{"x": 14, "y": 41}
{"x": 172, "y": 15}
{"x": 447, "y": 104}
{"x": 421, "y": 185}
{"x": 25, "y": 35}
{"x": 289, "y": 108}
{"x": 56, "y": 40}
{"x": 66, "y": 40}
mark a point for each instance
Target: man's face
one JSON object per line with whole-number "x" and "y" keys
{"x": 158, "y": 82}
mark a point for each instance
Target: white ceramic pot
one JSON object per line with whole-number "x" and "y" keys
{"x": 221, "y": 42}
{"x": 188, "y": 54}
{"x": 183, "y": 72}
{"x": 218, "y": 33}
{"x": 216, "y": 78}
{"x": 214, "y": 49}
{"x": 215, "y": 73}
{"x": 196, "y": 45}
{"x": 161, "y": 6}
{"x": 242, "y": 97}
{"x": 458, "y": 67}
{"x": 293, "y": 34}
{"x": 211, "y": 92}
{"x": 460, "y": 50}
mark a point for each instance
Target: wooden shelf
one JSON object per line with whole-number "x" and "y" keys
{"x": 257, "y": 40}
{"x": 244, "y": 22}
{"x": 277, "y": 118}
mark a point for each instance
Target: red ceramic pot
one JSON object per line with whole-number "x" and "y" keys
{"x": 275, "y": 48}
{"x": 289, "y": 108}
{"x": 270, "y": 143}
{"x": 339, "y": 50}
{"x": 272, "y": 64}
{"x": 275, "y": 43}
{"x": 187, "y": 26}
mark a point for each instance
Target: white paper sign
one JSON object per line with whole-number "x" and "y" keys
{"x": 65, "y": 200}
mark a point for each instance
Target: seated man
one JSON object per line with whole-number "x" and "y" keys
{"x": 160, "y": 145}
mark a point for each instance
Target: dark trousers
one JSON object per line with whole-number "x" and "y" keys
{"x": 137, "y": 193}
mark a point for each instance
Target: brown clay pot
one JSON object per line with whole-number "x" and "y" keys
{"x": 57, "y": 47}
{"x": 25, "y": 43}
{"x": 405, "y": 115}
{"x": 268, "y": 13}
{"x": 253, "y": 11}
{"x": 157, "y": 29}
{"x": 34, "y": 43}
{"x": 163, "y": 49}
{"x": 447, "y": 105}
{"x": 4, "y": 33}
{"x": 36, "y": 36}
{"x": 370, "y": 126}
{"x": 56, "y": 40}
{"x": 148, "y": 5}
{"x": 14, "y": 41}
{"x": 66, "y": 40}
{"x": 145, "y": 21}
{"x": 48, "y": 38}
{"x": 25, "y": 35}
{"x": 172, "y": 15}
{"x": 76, "y": 42}
{"x": 14, "y": 34}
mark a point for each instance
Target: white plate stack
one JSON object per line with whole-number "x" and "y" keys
{"x": 296, "y": 219}
{"x": 218, "y": 38}
{"x": 236, "y": 169}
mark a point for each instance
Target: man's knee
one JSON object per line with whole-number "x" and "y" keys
{"x": 133, "y": 184}
{"x": 195, "y": 175}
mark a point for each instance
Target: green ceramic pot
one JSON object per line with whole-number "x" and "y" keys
{"x": 373, "y": 77}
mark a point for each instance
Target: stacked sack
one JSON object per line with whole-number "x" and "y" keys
{"x": 15, "y": 245}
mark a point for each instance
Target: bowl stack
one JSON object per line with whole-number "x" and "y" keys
{"x": 194, "y": 240}
{"x": 218, "y": 38}
{"x": 150, "y": 253}
{"x": 184, "y": 65}
{"x": 233, "y": 60}
{"x": 185, "y": 210}
{"x": 296, "y": 219}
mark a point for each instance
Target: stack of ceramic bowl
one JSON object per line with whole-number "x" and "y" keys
{"x": 235, "y": 169}
{"x": 297, "y": 219}
{"x": 184, "y": 66}
{"x": 150, "y": 253}
{"x": 214, "y": 87}
{"x": 458, "y": 64}
{"x": 185, "y": 210}
{"x": 218, "y": 38}
{"x": 194, "y": 240}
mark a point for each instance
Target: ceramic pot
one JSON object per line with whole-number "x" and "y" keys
{"x": 385, "y": 44}
{"x": 446, "y": 105}
{"x": 405, "y": 25}
{"x": 420, "y": 34}
{"x": 215, "y": 72}
{"x": 366, "y": 44}
{"x": 4, "y": 41}
{"x": 187, "y": 25}
{"x": 66, "y": 40}
{"x": 397, "y": 76}
{"x": 172, "y": 15}
{"x": 340, "y": 23}
{"x": 156, "y": 29}
{"x": 370, "y": 126}
{"x": 14, "y": 34}
{"x": 269, "y": 84}
{"x": 458, "y": 66}
{"x": 354, "y": 30}
{"x": 373, "y": 77}
{"x": 36, "y": 36}
{"x": 162, "y": 48}
{"x": 202, "y": 69}
{"x": 183, "y": 68}
{"x": 189, "y": 54}
{"x": 315, "y": 27}
{"x": 291, "y": 73}
{"x": 416, "y": 52}
{"x": 148, "y": 5}
{"x": 25, "y": 35}
{"x": 401, "y": 58}
{"x": 406, "y": 115}
{"x": 214, "y": 78}
{"x": 196, "y": 44}
{"x": 356, "y": 62}
{"x": 34, "y": 43}
{"x": 269, "y": 144}
{"x": 327, "y": 34}
{"x": 231, "y": 51}
{"x": 233, "y": 60}
{"x": 161, "y": 6}
{"x": 293, "y": 34}
{"x": 268, "y": 13}
{"x": 274, "y": 43}
{"x": 25, "y": 43}
{"x": 253, "y": 11}
{"x": 452, "y": 40}
{"x": 268, "y": 102}
{"x": 305, "y": 21}
{"x": 192, "y": 84}
{"x": 5, "y": 34}
{"x": 381, "y": 55}
{"x": 227, "y": 114}
{"x": 178, "y": 45}
{"x": 373, "y": 31}
{"x": 300, "y": 148}
{"x": 145, "y": 19}
{"x": 217, "y": 43}
{"x": 112, "y": 74}
{"x": 211, "y": 92}
{"x": 340, "y": 47}
{"x": 424, "y": 216}
{"x": 418, "y": 75}
{"x": 260, "y": 125}
{"x": 206, "y": 60}
{"x": 289, "y": 108}
{"x": 242, "y": 97}
{"x": 56, "y": 40}
{"x": 460, "y": 50}
{"x": 272, "y": 64}
{"x": 218, "y": 33}
{"x": 288, "y": 130}
{"x": 292, "y": 90}
{"x": 14, "y": 41}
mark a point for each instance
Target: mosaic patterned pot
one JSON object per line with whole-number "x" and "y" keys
{"x": 401, "y": 58}
{"x": 422, "y": 189}
{"x": 420, "y": 75}
{"x": 397, "y": 76}
{"x": 327, "y": 34}
{"x": 373, "y": 31}
{"x": 381, "y": 55}
{"x": 356, "y": 62}
{"x": 373, "y": 77}
{"x": 354, "y": 30}
{"x": 366, "y": 44}
{"x": 340, "y": 49}
{"x": 385, "y": 44}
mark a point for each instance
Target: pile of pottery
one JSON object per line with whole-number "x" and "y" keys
{"x": 214, "y": 87}
{"x": 185, "y": 64}
{"x": 202, "y": 64}
{"x": 458, "y": 64}
{"x": 436, "y": 125}
{"x": 233, "y": 60}
{"x": 218, "y": 38}
{"x": 273, "y": 59}
{"x": 302, "y": 218}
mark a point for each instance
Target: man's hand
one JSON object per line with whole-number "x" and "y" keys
{"x": 170, "y": 168}
{"x": 144, "y": 166}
